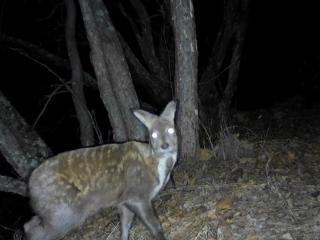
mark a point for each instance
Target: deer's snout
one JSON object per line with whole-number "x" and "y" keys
{"x": 164, "y": 146}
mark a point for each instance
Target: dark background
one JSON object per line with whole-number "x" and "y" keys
{"x": 280, "y": 60}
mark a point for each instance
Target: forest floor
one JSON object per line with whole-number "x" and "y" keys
{"x": 250, "y": 184}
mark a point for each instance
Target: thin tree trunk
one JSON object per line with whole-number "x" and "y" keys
{"x": 146, "y": 43}
{"x": 186, "y": 64}
{"x": 114, "y": 80}
{"x": 155, "y": 89}
{"x": 78, "y": 97}
{"x": 211, "y": 74}
{"x": 240, "y": 20}
{"x": 154, "y": 75}
{"x": 21, "y": 146}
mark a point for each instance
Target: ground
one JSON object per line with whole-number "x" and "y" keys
{"x": 259, "y": 180}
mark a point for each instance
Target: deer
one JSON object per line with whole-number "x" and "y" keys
{"x": 68, "y": 188}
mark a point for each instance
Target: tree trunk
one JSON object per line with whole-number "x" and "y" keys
{"x": 22, "y": 147}
{"x": 218, "y": 81}
{"x": 153, "y": 72}
{"x": 78, "y": 97}
{"x": 114, "y": 80}
{"x": 186, "y": 63}
{"x": 155, "y": 89}
{"x": 145, "y": 38}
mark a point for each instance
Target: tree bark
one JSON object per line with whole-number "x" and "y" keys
{"x": 12, "y": 185}
{"x": 114, "y": 80}
{"x": 78, "y": 97}
{"x": 22, "y": 147}
{"x": 186, "y": 64}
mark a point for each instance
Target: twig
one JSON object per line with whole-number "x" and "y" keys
{"x": 45, "y": 105}
{"x": 66, "y": 85}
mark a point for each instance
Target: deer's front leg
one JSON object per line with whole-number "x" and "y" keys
{"x": 126, "y": 218}
{"x": 148, "y": 216}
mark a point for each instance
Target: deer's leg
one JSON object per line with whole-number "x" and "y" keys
{"x": 126, "y": 218}
{"x": 148, "y": 216}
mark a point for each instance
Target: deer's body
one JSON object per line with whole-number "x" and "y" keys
{"x": 71, "y": 186}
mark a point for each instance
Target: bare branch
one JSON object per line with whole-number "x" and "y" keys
{"x": 66, "y": 85}
{"x": 78, "y": 97}
{"x": 49, "y": 98}
{"x": 26, "y": 48}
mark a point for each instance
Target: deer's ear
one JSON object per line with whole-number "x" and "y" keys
{"x": 169, "y": 111}
{"x": 146, "y": 118}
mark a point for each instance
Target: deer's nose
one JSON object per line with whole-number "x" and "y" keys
{"x": 165, "y": 145}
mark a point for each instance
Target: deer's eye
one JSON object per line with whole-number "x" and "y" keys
{"x": 154, "y": 135}
{"x": 170, "y": 130}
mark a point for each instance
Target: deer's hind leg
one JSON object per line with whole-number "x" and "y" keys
{"x": 53, "y": 224}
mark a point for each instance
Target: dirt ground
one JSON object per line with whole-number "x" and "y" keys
{"x": 259, "y": 180}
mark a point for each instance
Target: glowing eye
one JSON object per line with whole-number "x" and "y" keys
{"x": 154, "y": 135}
{"x": 170, "y": 130}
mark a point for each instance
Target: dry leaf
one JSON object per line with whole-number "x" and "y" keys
{"x": 224, "y": 203}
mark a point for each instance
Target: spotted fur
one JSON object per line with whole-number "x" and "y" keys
{"x": 71, "y": 186}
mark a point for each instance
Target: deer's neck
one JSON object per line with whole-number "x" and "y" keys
{"x": 164, "y": 168}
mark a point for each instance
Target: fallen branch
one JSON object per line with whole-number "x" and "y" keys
{"x": 12, "y": 185}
